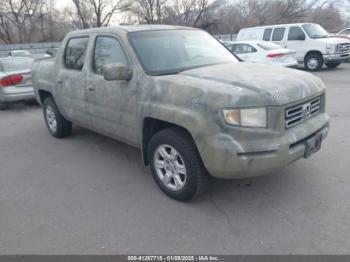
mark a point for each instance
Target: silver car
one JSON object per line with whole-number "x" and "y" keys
{"x": 15, "y": 80}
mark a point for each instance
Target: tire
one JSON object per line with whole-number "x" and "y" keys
{"x": 3, "y": 106}
{"x": 313, "y": 62}
{"x": 58, "y": 126}
{"x": 332, "y": 65}
{"x": 186, "y": 166}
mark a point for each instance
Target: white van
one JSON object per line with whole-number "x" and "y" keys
{"x": 313, "y": 45}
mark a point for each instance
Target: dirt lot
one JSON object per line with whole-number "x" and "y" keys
{"x": 89, "y": 194}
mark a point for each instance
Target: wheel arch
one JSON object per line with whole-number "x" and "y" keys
{"x": 151, "y": 126}
{"x": 42, "y": 95}
{"x": 312, "y": 52}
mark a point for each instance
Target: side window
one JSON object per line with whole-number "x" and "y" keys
{"x": 248, "y": 49}
{"x": 296, "y": 34}
{"x": 237, "y": 49}
{"x": 75, "y": 53}
{"x": 267, "y": 34}
{"x": 242, "y": 49}
{"x": 107, "y": 51}
{"x": 278, "y": 34}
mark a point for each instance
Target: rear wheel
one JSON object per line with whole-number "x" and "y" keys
{"x": 176, "y": 165}
{"x": 313, "y": 62}
{"x": 332, "y": 65}
{"x": 3, "y": 106}
{"x": 58, "y": 126}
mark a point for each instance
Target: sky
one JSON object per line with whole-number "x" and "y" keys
{"x": 60, "y": 4}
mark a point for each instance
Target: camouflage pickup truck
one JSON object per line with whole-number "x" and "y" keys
{"x": 180, "y": 96}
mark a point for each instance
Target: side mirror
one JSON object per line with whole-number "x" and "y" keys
{"x": 116, "y": 71}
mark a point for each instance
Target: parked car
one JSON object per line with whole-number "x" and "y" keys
{"x": 263, "y": 52}
{"x": 191, "y": 112}
{"x": 313, "y": 45}
{"x": 15, "y": 81}
{"x": 19, "y": 53}
{"x": 41, "y": 56}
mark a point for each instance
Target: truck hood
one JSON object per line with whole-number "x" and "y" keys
{"x": 276, "y": 85}
{"x": 332, "y": 40}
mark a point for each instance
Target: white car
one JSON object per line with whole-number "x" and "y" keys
{"x": 313, "y": 45}
{"x": 263, "y": 52}
{"x": 19, "y": 53}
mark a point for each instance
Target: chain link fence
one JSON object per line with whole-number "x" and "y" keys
{"x": 227, "y": 37}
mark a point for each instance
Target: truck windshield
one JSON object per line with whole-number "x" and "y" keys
{"x": 315, "y": 31}
{"x": 166, "y": 52}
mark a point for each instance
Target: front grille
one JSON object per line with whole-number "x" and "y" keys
{"x": 343, "y": 48}
{"x": 300, "y": 113}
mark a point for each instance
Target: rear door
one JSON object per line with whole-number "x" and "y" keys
{"x": 278, "y": 36}
{"x": 267, "y": 34}
{"x": 71, "y": 82}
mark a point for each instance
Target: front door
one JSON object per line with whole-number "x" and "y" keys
{"x": 71, "y": 83}
{"x": 296, "y": 41}
{"x": 112, "y": 104}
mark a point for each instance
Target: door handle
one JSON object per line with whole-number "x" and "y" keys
{"x": 91, "y": 87}
{"x": 60, "y": 83}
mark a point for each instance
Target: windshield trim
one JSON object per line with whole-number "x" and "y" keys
{"x": 179, "y": 70}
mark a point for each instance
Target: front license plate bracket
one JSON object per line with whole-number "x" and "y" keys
{"x": 313, "y": 145}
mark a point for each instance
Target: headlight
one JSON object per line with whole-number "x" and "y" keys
{"x": 331, "y": 49}
{"x": 250, "y": 117}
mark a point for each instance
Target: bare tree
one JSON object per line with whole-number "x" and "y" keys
{"x": 328, "y": 17}
{"x": 147, "y": 11}
{"x": 18, "y": 18}
{"x": 98, "y": 13}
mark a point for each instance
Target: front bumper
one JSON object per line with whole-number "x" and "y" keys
{"x": 225, "y": 157}
{"x": 336, "y": 58}
{"x": 12, "y": 94}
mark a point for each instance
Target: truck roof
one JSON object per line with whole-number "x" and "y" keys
{"x": 281, "y": 25}
{"x": 132, "y": 28}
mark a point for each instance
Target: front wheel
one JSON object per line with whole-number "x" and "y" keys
{"x": 313, "y": 62}
{"x": 176, "y": 165}
{"x": 58, "y": 126}
{"x": 332, "y": 65}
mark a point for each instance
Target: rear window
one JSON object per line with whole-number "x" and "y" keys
{"x": 267, "y": 34}
{"x": 278, "y": 34}
{"x": 269, "y": 46}
{"x": 13, "y": 65}
{"x": 75, "y": 53}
